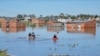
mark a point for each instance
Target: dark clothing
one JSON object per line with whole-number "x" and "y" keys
{"x": 55, "y": 38}
{"x": 33, "y": 35}
{"x": 29, "y": 34}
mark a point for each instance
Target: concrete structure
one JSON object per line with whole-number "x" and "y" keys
{"x": 58, "y": 24}
{"x": 81, "y": 24}
{"x": 38, "y": 21}
{"x": 14, "y": 23}
{"x": 85, "y": 30}
{"x": 2, "y": 20}
{"x": 51, "y": 22}
{"x": 64, "y": 20}
{"x": 27, "y": 18}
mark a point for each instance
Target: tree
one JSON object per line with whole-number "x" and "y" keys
{"x": 40, "y": 17}
{"x": 24, "y": 15}
{"x": 56, "y": 17}
{"x": 95, "y": 16}
{"x": 19, "y": 16}
{"x": 32, "y": 16}
{"x": 61, "y": 15}
{"x": 51, "y": 17}
{"x": 73, "y": 17}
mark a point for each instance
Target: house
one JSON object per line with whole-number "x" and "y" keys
{"x": 38, "y": 21}
{"x": 2, "y": 20}
{"x": 58, "y": 24}
{"x": 12, "y": 23}
{"x": 51, "y": 22}
{"x": 64, "y": 20}
{"x": 27, "y": 18}
{"x": 81, "y": 24}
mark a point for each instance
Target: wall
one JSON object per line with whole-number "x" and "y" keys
{"x": 38, "y": 21}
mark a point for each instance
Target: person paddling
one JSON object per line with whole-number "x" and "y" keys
{"x": 55, "y": 38}
{"x": 33, "y": 35}
{"x": 29, "y": 34}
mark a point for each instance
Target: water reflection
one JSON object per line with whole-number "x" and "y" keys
{"x": 31, "y": 39}
{"x": 13, "y": 29}
{"x": 84, "y": 30}
{"x": 39, "y": 25}
{"x": 43, "y": 44}
{"x": 57, "y": 27}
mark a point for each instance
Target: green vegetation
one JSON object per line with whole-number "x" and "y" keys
{"x": 32, "y": 25}
{"x": 29, "y": 24}
{"x": 21, "y": 17}
{"x": 61, "y": 15}
{"x": 3, "y": 53}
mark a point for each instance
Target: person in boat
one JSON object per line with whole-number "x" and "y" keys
{"x": 33, "y": 35}
{"x": 29, "y": 34}
{"x": 55, "y": 38}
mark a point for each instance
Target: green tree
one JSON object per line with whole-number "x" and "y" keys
{"x": 61, "y": 15}
{"x": 24, "y": 15}
{"x": 95, "y": 16}
{"x": 73, "y": 17}
{"x": 32, "y": 16}
{"x": 56, "y": 17}
{"x": 20, "y": 17}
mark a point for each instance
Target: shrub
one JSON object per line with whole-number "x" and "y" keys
{"x": 3, "y": 53}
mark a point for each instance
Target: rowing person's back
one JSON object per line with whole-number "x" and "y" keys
{"x": 55, "y": 38}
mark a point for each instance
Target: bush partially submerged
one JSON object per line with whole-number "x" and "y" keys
{"x": 3, "y": 53}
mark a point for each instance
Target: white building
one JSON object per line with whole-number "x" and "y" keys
{"x": 64, "y": 20}
{"x": 27, "y": 18}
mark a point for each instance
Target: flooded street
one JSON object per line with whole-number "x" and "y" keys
{"x": 69, "y": 43}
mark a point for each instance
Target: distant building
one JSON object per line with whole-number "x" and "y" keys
{"x": 12, "y": 23}
{"x": 51, "y": 22}
{"x": 2, "y": 20}
{"x": 27, "y": 18}
{"x": 98, "y": 18}
{"x": 64, "y": 20}
{"x": 37, "y": 21}
{"x": 81, "y": 24}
